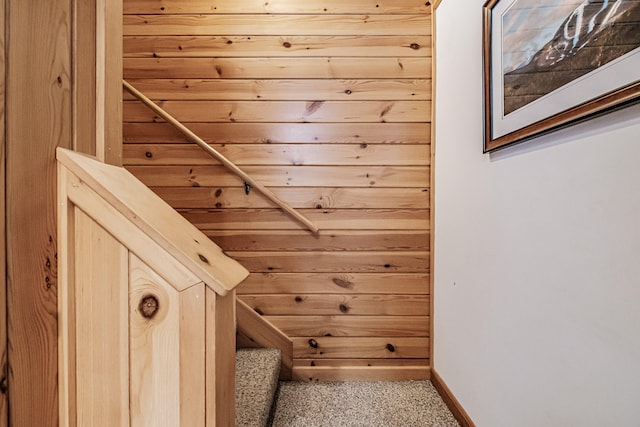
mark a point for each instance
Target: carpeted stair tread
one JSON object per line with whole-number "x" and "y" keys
{"x": 257, "y": 372}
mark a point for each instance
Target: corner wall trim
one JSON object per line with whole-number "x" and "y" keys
{"x": 450, "y": 400}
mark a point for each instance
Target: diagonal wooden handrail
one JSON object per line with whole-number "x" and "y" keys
{"x": 218, "y": 156}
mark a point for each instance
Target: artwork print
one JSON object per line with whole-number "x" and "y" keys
{"x": 547, "y": 58}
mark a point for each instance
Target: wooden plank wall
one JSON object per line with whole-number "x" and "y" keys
{"x": 327, "y": 102}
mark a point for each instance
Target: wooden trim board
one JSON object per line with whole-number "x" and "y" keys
{"x": 450, "y": 400}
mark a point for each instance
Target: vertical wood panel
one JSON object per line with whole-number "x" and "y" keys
{"x": 109, "y": 81}
{"x": 4, "y": 403}
{"x": 167, "y": 351}
{"x": 102, "y": 320}
{"x": 155, "y": 352}
{"x": 193, "y": 356}
{"x": 38, "y": 120}
{"x": 220, "y": 359}
{"x": 84, "y": 63}
{"x": 66, "y": 303}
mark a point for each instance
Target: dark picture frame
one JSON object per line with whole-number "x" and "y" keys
{"x": 550, "y": 63}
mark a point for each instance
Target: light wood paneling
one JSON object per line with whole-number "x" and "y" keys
{"x": 102, "y": 327}
{"x": 220, "y": 358}
{"x": 328, "y": 240}
{"x": 286, "y": 176}
{"x": 38, "y": 119}
{"x": 282, "y": 90}
{"x": 360, "y": 347}
{"x": 284, "y": 111}
{"x": 276, "y": 6}
{"x": 335, "y": 283}
{"x": 159, "y": 65}
{"x": 281, "y": 46}
{"x": 333, "y": 219}
{"x": 351, "y": 326}
{"x": 351, "y": 305}
{"x": 292, "y": 133}
{"x": 352, "y": 261}
{"x": 282, "y": 154}
{"x": 275, "y": 24}
{"x": 84, "y": 63}
{"x": 300, "y": 363}
{"x": 333, "y": 115}
{"x": 167, "y": 351}
{"x": 319, "y": 198}
{"x": 108, "y": 61}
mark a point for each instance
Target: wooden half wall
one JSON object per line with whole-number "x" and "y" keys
{"x": 326, "y": 102}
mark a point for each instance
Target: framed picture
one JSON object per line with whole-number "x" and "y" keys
{"x": 550, "y": 63}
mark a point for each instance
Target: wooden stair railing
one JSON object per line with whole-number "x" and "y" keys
{"x": 190, "y": 135}
{"x": 146, "y": 306}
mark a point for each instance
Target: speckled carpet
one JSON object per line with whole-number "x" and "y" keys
{"x": 360, "y": 404}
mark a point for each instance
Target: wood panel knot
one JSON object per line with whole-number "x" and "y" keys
{"x": 149, "y": 306}
{"x": 414, "y": 46}
{"x": 391, "y": 348}
{"x": 203, "y": 259}
{"x": 342, "y": 283}
{"x": 313, "y": 343}
{"x": 148, "y": 154}
{"x": 3, "y": 385}
{"x": 344, "y": 308}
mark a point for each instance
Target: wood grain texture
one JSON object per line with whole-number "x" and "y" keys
{"x": 276, "y": 6}
{"x": 4, "y": 362}
{"x": 84, "y": 74}
{"x": 33, "y": 133}
{"x": 102, "y": 327}
{"x": 330, "y": 219}
{"x": 327, "y": 240}
{"x": 286, "y": 176}
{"x": 353, "y": 262}
{"x": 281, "y": 154}
{"x": 335, "y": 283}
{"x": 343, "y": 304}
{"x": 108, "y": 62}
{"x": 220, "y": 358}
{"x": 274, "y": 133}
{"x": 277, "y": 46}
{"x": 154, "y": 329}
{"x": 351, "y": 326}
{"x": 151, "y": 215}
{"x": 299, "y": 363}
{"x": 275, "y": 24}
{"x": 359, "y": 347}
{"x": 284, "y": 111}
{"x": 333, "y": 115}
{"x": 162, "y": 65}
{"x": 309, "y": 197}
{"x": 167, "y": 355}
{"x": 282, "y": 90}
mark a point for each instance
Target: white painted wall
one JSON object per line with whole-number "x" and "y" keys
{"x": 537, "y": 256}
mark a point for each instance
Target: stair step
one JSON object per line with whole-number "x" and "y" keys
{"x": 257, "y": 372}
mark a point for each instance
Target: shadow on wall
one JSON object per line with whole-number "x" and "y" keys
{"x": 593, "y": 126}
